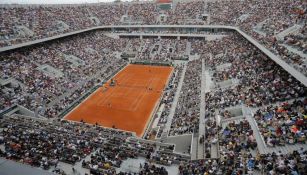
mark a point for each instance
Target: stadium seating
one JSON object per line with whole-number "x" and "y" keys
{"x": 242, "y": 112}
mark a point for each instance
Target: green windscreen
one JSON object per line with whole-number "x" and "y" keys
{"x": 165, "y": 6}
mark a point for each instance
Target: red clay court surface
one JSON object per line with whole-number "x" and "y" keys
{"x": 130, "y": 103}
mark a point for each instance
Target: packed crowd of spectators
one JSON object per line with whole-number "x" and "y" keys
{"x": 155, "y": 49}
{"x": 264, "y": 20}
{"x": 199, "y": 167}
{"x": 42, "y": 144}
{"x": 181, "y": 48}
{"x": 267, "y": 84}
{"x": 235, "y": 137}
{"x": 298, "y": 40}
{"x": 258, "y": 82}
{"x": 187, "y": 111}
{"x": 283, "y": 124}
{"x": 148, "y": 49}
{"x": 236, "y": 146}
{"x": 210, "y": 138}
{"x": 167, "y": 48}
{"x": 30, "y": 22}
{"x": 234, "y": 59}
{"x": 221, "y": 12}
{"x": 186, "y": 13}
{"x": 94, "y": 61}
{"x": 231, "y": 58}
{"x": 151, "y": 169}
{"x": 108, "y": 157}
{"x": 46, "y": 21}
{"x": 271, "y": 163}
{"x": 143, "y": 13}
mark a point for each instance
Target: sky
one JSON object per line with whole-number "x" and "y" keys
{"x": 52, "y": 1}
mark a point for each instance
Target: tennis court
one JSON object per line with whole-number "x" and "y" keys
{"x": 129, "y": 104}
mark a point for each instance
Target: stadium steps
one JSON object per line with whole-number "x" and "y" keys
{"x": 94, "y": 20}
{"x": 232, "y": 119}
{"x": 174, "y": 46}
{"x": 50, "y": 71}
{"x": 205, "y": 11}
{"x": 194, "y": 150}
{"x": 160, "y": 47}
{"x": 117, "y": 54}
{"x": 174, "y": 4}
{"x": 293, "y": 29}
{"x": 58, "y": 99}
{"x": 188, "y": 48}
{"x": 260, "y": 142}
{"x": 258, "y": 27}
{"x": 208, "y": 77}
{"x": 2, "y": 147}
{"x": 24, "y": 31}
{"x": 53, "y": 96}
{"x": 62, "y": 26}
{"x": 127, "y": 48}
{"x": 4, "y": 82}
{"x": 296, "y": 51}
{"x": 79, "y": 170}
{"x": 286, "y": 149}
{"x": 243, "y": 17}
{"x": 163, "y": 137}
{"x": 142, "y": 46}
{"x": 153, "y": 54}
{"x": 201, "y": 146}
{"x": 214, "y": 150}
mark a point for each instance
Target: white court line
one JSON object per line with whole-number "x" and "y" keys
{"x": 114, "y": 94}
{"x": 124, "y": 79}
{"x": 143, "y": 94}
{"x": 110, "y": 95}
{"x": 83, "y": 101}
{"x": 138, "y": 100}
{"x": 135, "y": 99}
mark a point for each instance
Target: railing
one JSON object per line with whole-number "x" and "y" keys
{"x": 119, "y": 27}
{"x": 7, "y": 110}
{"x": 152, "y": 62}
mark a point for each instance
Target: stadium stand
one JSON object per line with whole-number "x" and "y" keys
{"x": 227, "y": 108}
